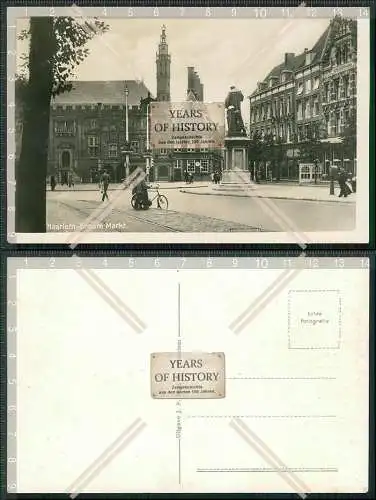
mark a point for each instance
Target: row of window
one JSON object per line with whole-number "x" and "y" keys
{"x": 308, "y": 131}
{"x": 341, "y": 54}
{"x": 93, "y": 141}
{"x": 163, "y": 151}
{"x": 268, "y": 110}
{"x": 336, "y": 123}
{"x": 283, "y": 131}
{"x": 308, "y": 85}
{"x": 113, "y": 149}
{"x": 93, "y": 107}
{"x": 69, "y": 126}
{"x": 93, "y": 151}
{"x": 308, "y": 108}
{"x": 203, "y": 166}
{"x": 286, "y": 76}
{"x": 336, "y": 89}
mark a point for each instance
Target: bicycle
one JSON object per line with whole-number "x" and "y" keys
{"x": 162, "y": 201}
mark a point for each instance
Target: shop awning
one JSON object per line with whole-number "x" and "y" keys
{"x": 333, "y": 140}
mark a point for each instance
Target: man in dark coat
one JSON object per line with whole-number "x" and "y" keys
{"x": 105, "y": 181}
{"x": 141, "y": 190}
{"x": 342, "y": 181}
{"x": 233, "y": 102}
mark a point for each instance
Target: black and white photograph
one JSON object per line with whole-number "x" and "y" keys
{"x": 179, "y": 126}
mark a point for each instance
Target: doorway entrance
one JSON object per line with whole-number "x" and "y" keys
{"x": 66, "y": 160}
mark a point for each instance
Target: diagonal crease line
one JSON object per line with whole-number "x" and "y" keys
{"x": 113, "y": 300}
{"x": 102, "y": 211}
{"x": 119, "y": 302}
{"x": 106, "y": 457}
{"x": 270, "y": 457}
{"x": 283, "y": 221}
{"x": 108, "y": 450}
{"x": 259, "y": 305}
{"x": 280, "y": 218}
{"x": 260, "y": 297}
{"x": 272, "y": 41}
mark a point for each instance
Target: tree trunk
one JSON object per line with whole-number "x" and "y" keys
{"x": 31, "y": 169}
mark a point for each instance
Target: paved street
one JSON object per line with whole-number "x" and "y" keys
{"x": 191, "y": 212}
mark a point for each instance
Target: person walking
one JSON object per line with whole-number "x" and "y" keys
{"x": 342, "y": 181}
{"x": 53, "y": 183}
{"x": 105, "y": 181}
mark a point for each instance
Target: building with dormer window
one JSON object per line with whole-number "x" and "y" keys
{"x": 306, "y": 106}
{"x": 285, "y": 109}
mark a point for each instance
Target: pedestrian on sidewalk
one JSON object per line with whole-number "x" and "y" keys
{"x": 342, "y": 181}
{"x": 53, "y": 183}
{"x": 105, "y": 181}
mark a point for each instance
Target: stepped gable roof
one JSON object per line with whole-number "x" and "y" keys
{"x": 105, "y": 92}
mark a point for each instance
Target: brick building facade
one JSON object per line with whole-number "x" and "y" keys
{"x": 87, "y": 130}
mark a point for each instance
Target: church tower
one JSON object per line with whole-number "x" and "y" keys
{"x": 163, "y": 69}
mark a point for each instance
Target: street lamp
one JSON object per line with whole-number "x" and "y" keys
{"x": 147, "y": 142}
{"x": 126, "y": 91}
{"x": 99, "y": 166}
{"x": 148, "y": 155}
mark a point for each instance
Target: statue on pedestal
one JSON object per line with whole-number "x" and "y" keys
{"x": 235, "y": 122}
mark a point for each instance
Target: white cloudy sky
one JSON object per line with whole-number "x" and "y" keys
{"x": 224, "y": 52}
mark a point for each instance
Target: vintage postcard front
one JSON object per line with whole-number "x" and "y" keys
{"x": 188, "y": 125}
{"x": 246, "y": 375}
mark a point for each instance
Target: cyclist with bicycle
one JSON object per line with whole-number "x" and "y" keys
{"x": 142, "y": 197}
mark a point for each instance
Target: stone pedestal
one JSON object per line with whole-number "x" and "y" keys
{"x": 235, "y": 175}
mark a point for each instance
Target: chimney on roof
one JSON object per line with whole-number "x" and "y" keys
{"x": 289, "y": 59}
